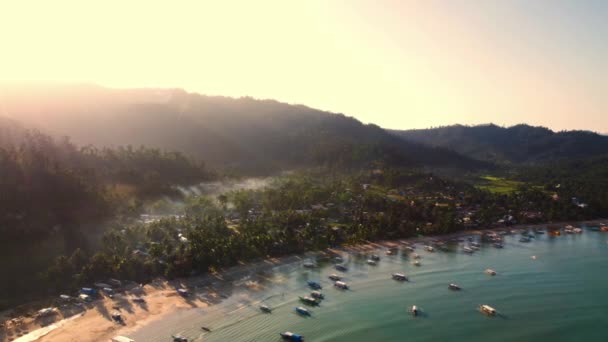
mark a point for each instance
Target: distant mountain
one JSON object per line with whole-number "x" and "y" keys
{"x": 243, "y": 134}
{"x": 516, "y": 144}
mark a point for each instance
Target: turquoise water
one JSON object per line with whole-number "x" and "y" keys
{"x": 559, "y": 296}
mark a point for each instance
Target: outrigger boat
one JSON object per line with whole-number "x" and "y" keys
{"x": 454, "y": 287}
{"x": 265, "y": 308}
{"x": 341, "y": 285}
{"x": 289, "y": 336}
{"x": 488, "y": 310}
{"x": 302, "y": 311}
{"x": 399, "y": 276}
{"x": 317, "y": 295}
{"x": 335, "y": 277}
{"x": 309, "y": 301}
{"x": 314, "y": 285}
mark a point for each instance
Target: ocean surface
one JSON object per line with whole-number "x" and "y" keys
{"x": 560, "y": 295}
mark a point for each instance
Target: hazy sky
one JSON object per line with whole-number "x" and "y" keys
{"x": 399, "y": 64}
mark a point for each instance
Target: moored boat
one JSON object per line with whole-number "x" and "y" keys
{"x": 371, "y": 262}
{"x": 429, "y": 248}
{"x": 498, "y": 245}
{"x": 467, "y": 250}
{"x": 375, "y": 257}
{"x": 416, "y": 256}
{"x": 314, "y": 285}
{"x": 341, "y": 285}
{"x": 317, "y": 295}
{"x": 414, "y": 310}
{"x": 416, "y": 263}
{"x": 302, "y": 311}
{"x": 490, "y": 272}
{"x": 289, "y": 336}
{"x": 341, "y": 268}
{"x": 309, "y": 300}
{"x": 488, "y": 310}
{"x": 577, "y": 230}
{"x": 309, "y": 265}
{"x": 399, "y": 276}
{"x": 334, "y": 277}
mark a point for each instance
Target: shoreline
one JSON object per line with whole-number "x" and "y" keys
{"x": 93, "y": 322}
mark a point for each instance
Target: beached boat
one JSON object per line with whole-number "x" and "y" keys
{"x": 410, "y": 248}
{"x": 429, "y": 248}
{"x": 309, "y": 300}
{"x": 416, "y": 263}
{"x": 289, "y": 336}
{"x": 371, "y": 262}
{"x": 416, "y": 256}
{"x": 399, "y": 276}
{"x": 341, "y": 268}
{"x": 338, "y": 259}
{"x": 207, "y": 329}
{"x": 341, "y": 285}
{"x": 525, "y": 239}
{"x": 475, "y": 244}
{"x": 577, "y": 230}
{"x": 302, "y": 311}
{"x": 467, "y": 250}
{"x": 389, "y": 252}
{"x": 488, "y": 310}
{"x": 265, "y": 308}
{"x": 334, "y": 277}
{"x": 375, "y": 257}
{"x": 179, "y": 338}
{"x": 454, "y": 287}
{"x": 414, "y": 310}
{"x": 490, "y": 271}
{"x": 498, "y": 245}
{"x": 317, "y": 295}
{"x": 314, "y": 285}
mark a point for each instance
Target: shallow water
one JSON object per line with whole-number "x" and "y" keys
{"x": 558, "y": 296}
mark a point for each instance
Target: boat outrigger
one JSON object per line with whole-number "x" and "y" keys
{"x": 399, "y": 276}
{"x": 302, "y": 311}
{"x": 341, "y": 285}
{"x": 289, "y": 336}
{"x": 488, "y": 310}
{"x": 454, "y": 287}
{"x": 314, "y": 285}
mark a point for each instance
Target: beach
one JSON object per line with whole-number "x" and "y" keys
{"x": 241, "y": 287}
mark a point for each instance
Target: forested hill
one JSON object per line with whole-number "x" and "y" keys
{"x": 518, "y": 144}
{"x": 242, "y": 134}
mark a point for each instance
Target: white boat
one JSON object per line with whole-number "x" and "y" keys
{"x": 488, "y": 310}
{"x": 399, "y": 276}
{"x": 429, "y": 248}
{"x": 410, "y": 248}
{"x": 179, "y": 338}
{"x": 490, "y": 272}
{"x": 467, "y": 250}
{"x": 416, "y": 256}
{"x": 578, "y": 230}
{"x": 416, "y": 263}
{"x": 309, "y": 265}
{"x": 389, "y": 252}
{"x": 414, "y": 310}
{"x": 341, "y": 285}
{"x": 371, "y": 262}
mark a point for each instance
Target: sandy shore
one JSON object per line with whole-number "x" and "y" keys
{"x": 93, "y": 322}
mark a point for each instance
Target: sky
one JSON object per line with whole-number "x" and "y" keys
{"x": 398, "y": 64}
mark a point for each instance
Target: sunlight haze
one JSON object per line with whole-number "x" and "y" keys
{"x": 405, "y": 64}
